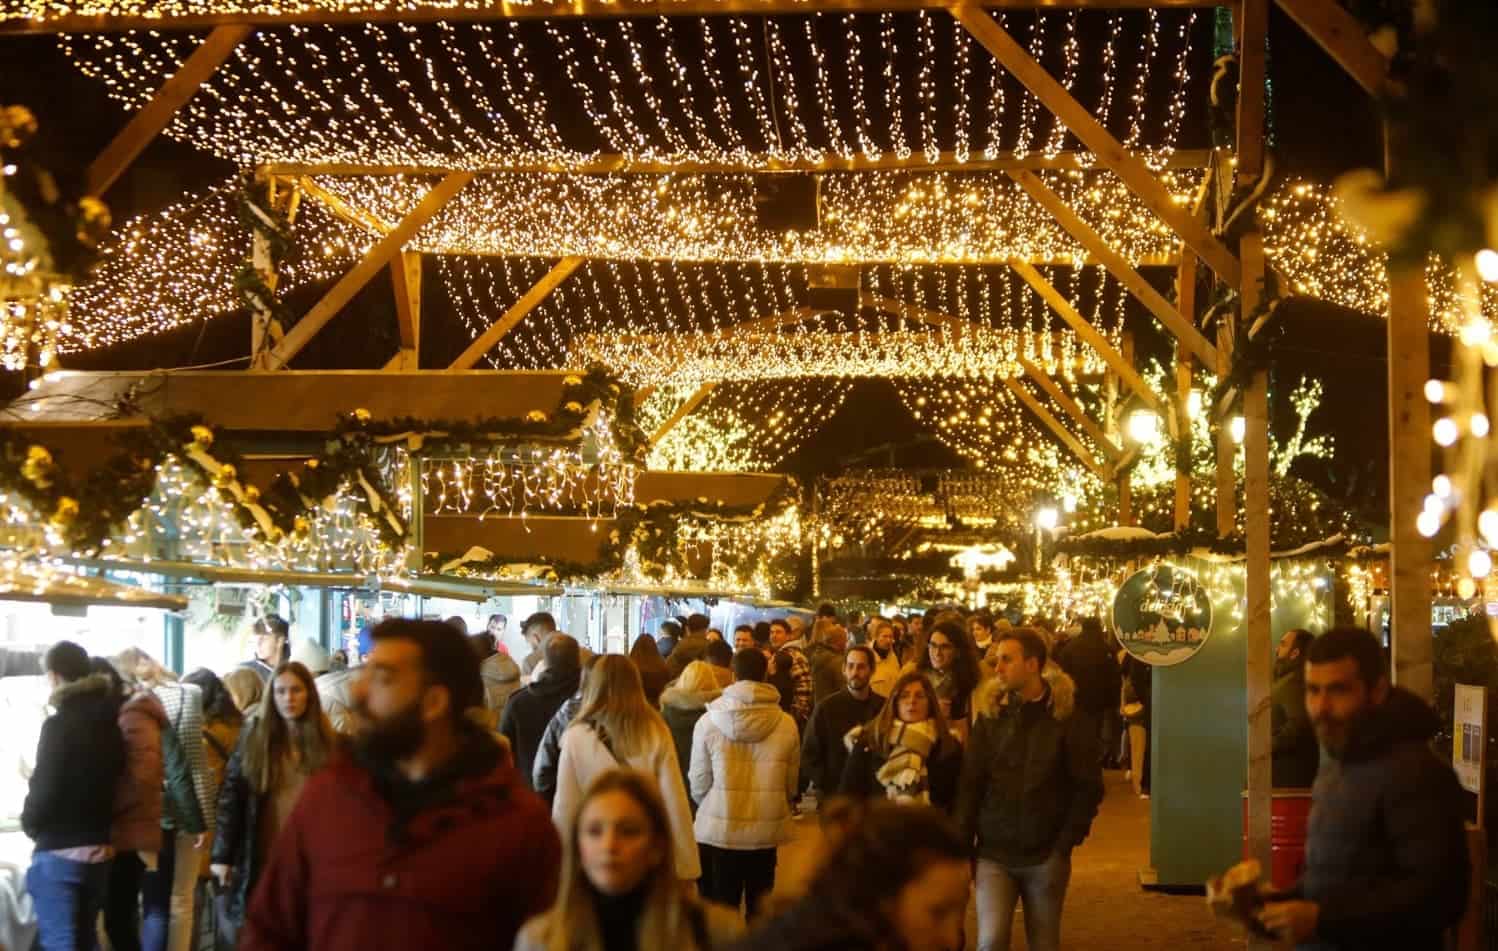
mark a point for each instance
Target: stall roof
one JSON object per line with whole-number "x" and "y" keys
{"x": 27, "y": 580}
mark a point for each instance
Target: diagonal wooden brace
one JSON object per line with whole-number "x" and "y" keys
{"x": 516, "y": 313}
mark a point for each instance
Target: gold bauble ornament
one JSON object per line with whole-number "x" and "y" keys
{"x": 313, "y": 463}
{"x": 573, "y": 406}
{"x": 93, "y": 221}
{"x": 202, "y": 436}
{"x": 300, "y": 525}
{"x": 38, "y": 468}
{"x": 362, "y": 415}
{"x": 251, "y": 494}
{"x": 535, "y": 416}
{"x": 572, "y": 379}
{"x": 67, "y": 512}
{"x": 17, "y": 125}
{"x": 224, "y": 476}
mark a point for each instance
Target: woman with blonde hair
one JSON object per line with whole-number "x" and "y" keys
{"x": 288, "y": 740}
{"x": 907, "y": 753}
{"x": 245, "y": 689}
{"x": 616, "y": 727}
{"x": 619, "y": 889}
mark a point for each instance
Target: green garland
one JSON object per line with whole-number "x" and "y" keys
{"x": 259, "y": 216}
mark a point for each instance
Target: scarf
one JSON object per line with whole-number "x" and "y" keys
{"x": 903, "y": 774}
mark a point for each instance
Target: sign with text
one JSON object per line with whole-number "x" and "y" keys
{"x": 1469, "y": 736}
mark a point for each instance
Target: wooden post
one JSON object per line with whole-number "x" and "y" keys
{"x": 1124, "y": 483}
{"x": 261, "y": 315}
{"x": 1409, "y": 481}
{"x": 1186, "y": 304}
{"x": 416, "y": 528}
{"x": 405, "y": 277}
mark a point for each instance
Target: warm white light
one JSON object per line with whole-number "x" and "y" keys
{"x": 1441, "y": 486}
{"x": 1428, "y": 523}
{"x": 1069, "y": 503}
{"x": 1445, "y": 431}
{"x": 1194, "y": 404}
{"x": 1435, "y": 391}
{"x": 1487, "y": 523}
{"x": 1434, "y": 504}
{"x": 1466, "y": 588}
{"x": 1144, "y": 426}
{"x": 1487, "y": 265}
{"x": 1047, "y": 518}
{"x": 1476, "y": 332}
{"x": 1478, "y": 424}
{"x": 1479, "y": 563}
{"x": 1238, "y": 427}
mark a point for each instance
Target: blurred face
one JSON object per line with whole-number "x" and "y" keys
{"x": 884, "y": 639}
{"x": 1286, "y": 649}
{"x": 912, "y": 705}
{"x": 616, "y": 844}
{"x": 534, "y": 635}
{"x": 268, "y": 648}
{"x": 290, "y": 695}
{"x": 1337, "y": 698}
{"x": 856, "y": 670}
{"x": 391, "y": 700}
{"x": 742, "y": 640}
{"x": 496, "y": 627}
{"x": 916, "y": 624}
{"x": 1015, "y": 670}
{"x": 713, "y": 634}
{"x": 928, "y": 913}
{"x": 779, "y": 634}
{"x": 980, "y": 631}
{"x": 943, "y": 651}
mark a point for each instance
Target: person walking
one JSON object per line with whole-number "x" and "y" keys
{"x": 824, "y": 752}
{"x": 616, "y": 727}
{"x": 668, "y": 638}
{"x": 549, "y": 753}
{"x": 908, "y": 753}
{"x": 790, "y": 673}
{"x": 1386, "y": 853}
{"x": 619, "y": 889}
{"x": 272, "y": 634}
{"x": 654, "y": 674}
{"x": 537, "y": 630}
{"x": 691, "y": 647}
{"x": 245, "y": 689}
{"x": 501, "y": 681}
{"x": 684, "y": 703}
{"x": 222, "y": 723}
{"x": 951, "y": 664}
{"x": 829, "y": 641}
{"x": 1089, "y": 662}
{"x": 1296, "y": 754}
{"x": 80, "y": 758}
{"x": 886, "y": 658}
{"x": 531, "y": 708}
{"x": 289, "y": 741}
{"x": 1030, "y": 788}
{"x": 744, "y": 763}
{"x": 421, "y": 834}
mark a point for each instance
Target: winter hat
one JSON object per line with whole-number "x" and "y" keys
{"x": 311, "y": 655}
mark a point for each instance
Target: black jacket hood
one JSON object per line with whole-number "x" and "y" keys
{"x": 1401, "y": 718}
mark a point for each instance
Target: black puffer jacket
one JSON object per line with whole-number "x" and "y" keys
{"x": 1088, "y": 662}
{"x": 79, "y": 758}
{"x": 1031, "y": 779}
{"x": 236, "y": 836}
{"x": 528, "y": 712}
{"x": 1386, "y": 854}
{"x": 549, "y": 753}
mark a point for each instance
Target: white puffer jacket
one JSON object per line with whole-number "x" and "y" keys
{"x": 745, "y": 759}
{"x": 584, "y": 758}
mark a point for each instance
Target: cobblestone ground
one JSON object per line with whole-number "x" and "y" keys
{"x": 1105, "y": 907}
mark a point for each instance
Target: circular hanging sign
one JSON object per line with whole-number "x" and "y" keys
{"x": 1163, "y": 615}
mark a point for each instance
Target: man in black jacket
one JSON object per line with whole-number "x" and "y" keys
{"x": 1030, "y": 787}
{"x": 1386, "y": 854}
{"x": 1092, "y": 667}
{"x": 1296, "y": 753}
{"x": 531, "y": 707}
{"x": 823, "y": 752}
{"x": 79, "y": 758}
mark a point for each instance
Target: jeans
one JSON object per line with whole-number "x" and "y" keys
{"x": 67, "y": 896}
{"x": 1041, "y": 887}
{"x": 167, "y": 895}
{"x": 122, "y": 905}
{"x": 729, "y": 875}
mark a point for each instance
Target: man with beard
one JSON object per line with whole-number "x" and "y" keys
{"x": 413, "y": 840}
{"x": 823, "y": 752}
{"x": 1296, "y": 754}
{"x": 1386, "y": 855}
{"x": 886, "y": 658}
{"x": 531, "y": 708}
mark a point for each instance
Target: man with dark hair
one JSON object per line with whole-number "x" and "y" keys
{"x": 496, "y": 626}
{"x": 668, "y": 638}
{"x": 535, "y": 629}
{"x": 1031, "y": 784}
{"x": 692, "y": 647}
{"x": 790, "y": 673}
{"x": 1092, "y": 667}
{"x": 272, "y": 634}
{"x": 531, "y": 707}
{"x": 743, "y": 777}
{"x": 1386, "y": 854}
{"x": 743, "y": 637}
{"x": 823, "y": 752}
{"x": 80, "y": 755}
{"x": 825, "y": 609}
{"x": 1296, "y": 753}
{"x": 415, "y": 837}
{"x": 720, "y": 656}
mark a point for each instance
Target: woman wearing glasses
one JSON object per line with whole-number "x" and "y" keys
{"x": 951, "y": 664}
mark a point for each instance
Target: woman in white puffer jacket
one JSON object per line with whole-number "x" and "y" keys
{"x": 746, "y": 755}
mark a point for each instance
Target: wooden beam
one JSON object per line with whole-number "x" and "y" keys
{"x": 1089, "y": 426}
{"x": 1122, "y": 271}
{"x": 1409, "y": 481}
{"x": 358, "y": 217}
{"x": 516, "y": 312}
{"x": 688, "y": 405}
{"x": 1129, "y": 168}
{"x": 642, "y": 393}
{"x": 1338, "y": 32}
{"x": 1252, "y": 20}
{"x": 405, "y": 277}
{"x": 1054, "y": 425}
{"x": 1078, "y": 323}
{"x": 1186, "y": 303}
{"x": 750, "y": 163}
{"x": 157, "y": 114}
{"x": 370, "y": 265}
{"x": 429, "y": 11}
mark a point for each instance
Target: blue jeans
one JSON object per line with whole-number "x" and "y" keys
{"x": 156, "y": 895}
{"x": 68, "y": 897}
{"x": 1041, "y": 887}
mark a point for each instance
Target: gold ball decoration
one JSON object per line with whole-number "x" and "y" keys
{"x": 66, "y": 513}
{"x": 251, "y": 494}
{"x": 535, "y": 416}
{"x": 202, "y": 437}
{"x": 17, "y": 126}
{"x": 225, "y": 476}
{"x": 362, "y": 415}
{"x": 573, "y": 406}
{"x": 38, "y": 467}
{"x": 94, "y": 220}
{"x": 572, "y": 379}
{"x": 300, "y": 526}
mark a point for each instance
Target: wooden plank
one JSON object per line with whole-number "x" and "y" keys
{"x": 688, "y": 405}
{"x": 157, "y": 113}
{"x": 357, "y": 217}
{"x": 1054, "y": 425}
{"x": 1055, "y": 392}
{"x": 1227, "y": 450}
{"x": 429, "y": 11}
{"x": 754, "y": 163}
{"x": 1122, "y": 271}
{"x": 370, "y": 265}
{"x": 516, "y": 312}
{"x": 1340, "y": 34}
{"x": 1129, "y": 168}
{"x": 405, "y": 277}
{"x": 1087, "y": 332}
{"x": 1409, "y": 480}
{"x": 1256, "y": 520}
{"x": 1252, "y": 20}
{"x": 1125, "y": 500}
{"x": 1186, "y": 304}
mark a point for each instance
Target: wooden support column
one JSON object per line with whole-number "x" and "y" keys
{"x": 516, "y": 313}
{"x": 371, "y": 264}
{"x": 1252, "y": 23}
{"x": 1122, "y": 477}
{"x": 683, "y": 411}
{"x": 1227, "y": 447}
{"x": 156, "y": 114}
{"x": 405, "y": 277}
{"x": 1409, "y": 481}
{"x": 1186, "y": 304}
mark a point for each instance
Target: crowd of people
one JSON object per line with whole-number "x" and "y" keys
{"x": 440, "y": 794}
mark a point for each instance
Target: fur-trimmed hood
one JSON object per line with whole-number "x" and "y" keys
{"x": 990, "y": 697}
{"x": 683, "y": 699}
{"x": 93, "y": 684}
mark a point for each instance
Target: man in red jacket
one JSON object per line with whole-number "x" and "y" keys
{"x": 423, "y": 835}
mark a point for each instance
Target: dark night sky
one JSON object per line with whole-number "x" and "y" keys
{"x": 1324, "y": 124}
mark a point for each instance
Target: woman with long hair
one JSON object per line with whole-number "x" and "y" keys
{"x": 654, "y": 674}
{"x": 907, "y": 753}
{"x": 222, "y": 722}
{"x": 288, "y": 740}
{"x": 619, "y": 889}
{"x": 616, "y": 727}
{"x": 950, "y": 662}
{"x": 684, "y": 703}
{"x": 245, "y": 689}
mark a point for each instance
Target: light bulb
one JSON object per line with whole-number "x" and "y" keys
{"x": 1435, "y": 391}
{"x": 1194, "y": 404}
{"x": 1047, "y": 518}
{"x": 1445, "y": 431}
{"x": 1487, "y": 523}
{"x": 1144, "y": 426}
{"x": 1428, "y": 523}
{"x": 1441, "y": 486}
{"x": 1479, "y": 563}
{"x": 1478, "y": 424}
{"x": 1487, "y": 265}
{"x": 1466, "y": 588}
{"x": 1239, "y": 428}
